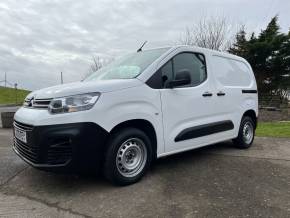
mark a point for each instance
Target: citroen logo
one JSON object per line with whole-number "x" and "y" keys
{"x": 31, "y": 102}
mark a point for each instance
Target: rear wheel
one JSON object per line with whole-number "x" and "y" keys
{"x": 246, "y": 133}
{"x": 128, "y": 156}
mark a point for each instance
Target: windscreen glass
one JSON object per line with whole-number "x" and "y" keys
{"x": 127, "y": 67}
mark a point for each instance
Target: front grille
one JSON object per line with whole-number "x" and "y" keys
{"x": 49, "y": 150}
{"x": 37, "y": 103}
{"x": 27, "y": 151}
{"x": 22, "y": 126}
{"x": 41, "y": 103}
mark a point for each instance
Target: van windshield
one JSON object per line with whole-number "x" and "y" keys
{"x": 127, "y": 67}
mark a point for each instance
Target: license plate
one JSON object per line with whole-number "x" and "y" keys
{"x": 20, "y": 134}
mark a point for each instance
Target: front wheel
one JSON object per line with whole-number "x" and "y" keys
{"x": 246, "y": 133}
{"x": 128, "y": 156}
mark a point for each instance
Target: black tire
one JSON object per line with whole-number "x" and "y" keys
{"x": 242, "y": 141}
{"x": 112, "y": 168}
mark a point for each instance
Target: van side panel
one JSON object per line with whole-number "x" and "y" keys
{"x": 140, "y": 102}
{"x": 234, "y": 77}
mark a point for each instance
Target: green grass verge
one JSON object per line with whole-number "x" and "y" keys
{"x": 273, "y": 129}
{"x": 12, "y": 96}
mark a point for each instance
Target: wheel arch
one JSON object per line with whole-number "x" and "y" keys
{"x": 142, "y": 124}
{"x": 252, "y": 114}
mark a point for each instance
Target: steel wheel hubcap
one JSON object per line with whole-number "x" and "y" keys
{"x": 131, "y": 157}
{"x": 248, "y": 132}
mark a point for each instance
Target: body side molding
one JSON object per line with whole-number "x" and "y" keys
{"x": 203, "y": 130}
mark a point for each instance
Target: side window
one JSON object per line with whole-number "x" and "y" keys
{"x": 194, "y": 63}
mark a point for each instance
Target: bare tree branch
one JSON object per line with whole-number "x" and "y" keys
{"x": 97, "y": 64}
{"x": 213, "y": 33}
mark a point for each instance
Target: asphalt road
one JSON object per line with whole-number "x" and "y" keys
{"x": 217, "y": 181}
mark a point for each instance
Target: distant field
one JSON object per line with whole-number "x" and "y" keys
{"x": 12, "y": 96}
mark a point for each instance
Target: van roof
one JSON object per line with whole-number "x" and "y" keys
{"x": 214, "y": 52}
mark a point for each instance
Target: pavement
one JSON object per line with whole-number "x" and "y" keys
{"x": 216, "y": 181}
{"x": 8, "y": 108}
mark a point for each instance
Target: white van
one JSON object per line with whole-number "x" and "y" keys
{"x": 144, "y": 106}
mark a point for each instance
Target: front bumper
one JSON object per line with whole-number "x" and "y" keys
{"x": 62, "y": 146}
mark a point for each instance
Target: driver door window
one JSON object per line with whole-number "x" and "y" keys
{"x": 192, "y": 62}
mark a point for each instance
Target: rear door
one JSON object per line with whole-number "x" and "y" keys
{"x": 189, "y": 113}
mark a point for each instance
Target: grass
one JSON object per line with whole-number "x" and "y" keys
{"x": 12, "y": 96}
{"x": 273, "y": 129}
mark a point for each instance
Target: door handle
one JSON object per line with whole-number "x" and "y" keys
{"x": 207, "y": 94}
{"x": 220, "y": 93}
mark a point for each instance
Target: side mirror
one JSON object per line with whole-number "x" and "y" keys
{"x": 182, "y": 78}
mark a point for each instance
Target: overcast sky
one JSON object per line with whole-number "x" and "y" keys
{"x": 41, "y": 38}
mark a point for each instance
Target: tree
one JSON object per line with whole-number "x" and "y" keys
{"x": 97, "y": 64}
{"x": 239, "y": 47}
{"x": 269, "y": 56}
{"x": 212, "y": 33}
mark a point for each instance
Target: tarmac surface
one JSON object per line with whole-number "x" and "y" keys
{"x": 216, "y": 181}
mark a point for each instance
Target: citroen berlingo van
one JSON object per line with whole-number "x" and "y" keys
{"x": 143, "y": 106}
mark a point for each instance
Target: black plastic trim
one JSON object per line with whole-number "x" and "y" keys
{"x": 155, "y": 81}
{"x": 204, "y": 130}
{"x": 252, "y": 91}
{"x": 220, "y": 94}
{"x": 86, "y": 140}
{"x": 207, "y": 94}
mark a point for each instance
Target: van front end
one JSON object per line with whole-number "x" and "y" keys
{"x": 57, "y": 141}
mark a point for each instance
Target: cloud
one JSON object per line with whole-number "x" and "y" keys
{"x": 41, "y": 38}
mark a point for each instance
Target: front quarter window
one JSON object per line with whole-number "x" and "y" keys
{"x": 128, "y": 67}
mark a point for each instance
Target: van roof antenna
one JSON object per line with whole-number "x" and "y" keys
{"x": 140, "y": 49}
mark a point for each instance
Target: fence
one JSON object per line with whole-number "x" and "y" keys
{"x": 273, "y": 108}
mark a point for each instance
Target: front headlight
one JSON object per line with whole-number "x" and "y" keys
{"x": 73, "y": 103}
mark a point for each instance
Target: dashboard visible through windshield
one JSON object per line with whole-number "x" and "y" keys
{"x": 127, "y": 67}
